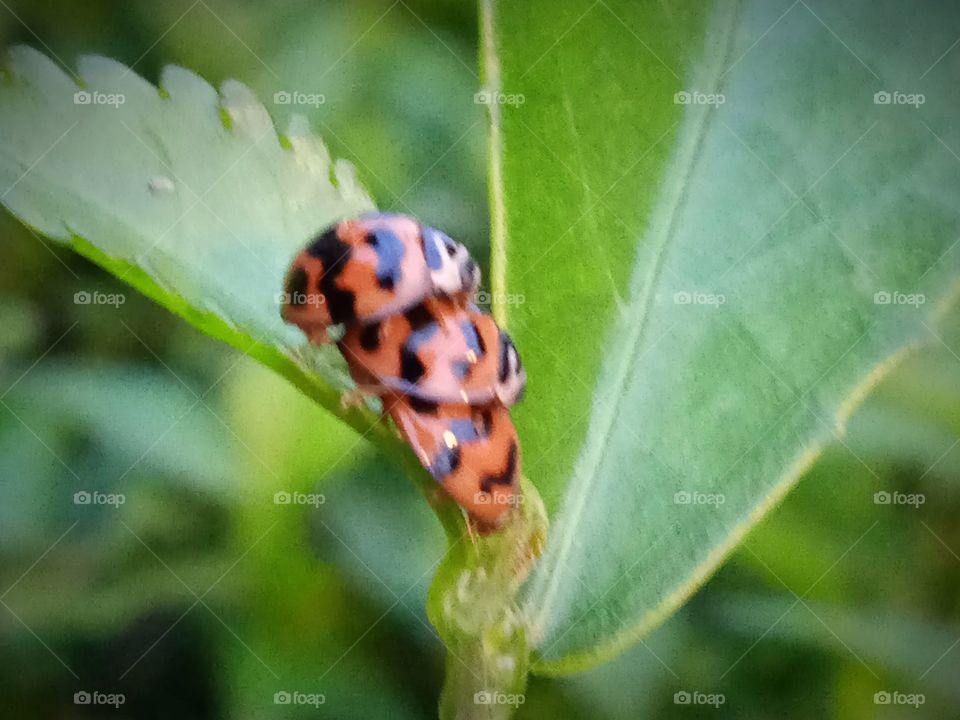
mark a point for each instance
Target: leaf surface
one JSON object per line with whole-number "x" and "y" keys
{"x": 715, "y": 242}
{"x": 187, "y": 193}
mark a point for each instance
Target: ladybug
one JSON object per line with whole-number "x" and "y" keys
{"x": 437, "y": 351}
{"x": 472, "y": 452}
{"x": 367, "y": 269}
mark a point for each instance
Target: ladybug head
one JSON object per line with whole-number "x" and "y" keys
{"x": 511, "y": 377}
{"x": 452, "y": 270}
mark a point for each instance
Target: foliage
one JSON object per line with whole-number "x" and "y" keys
{"x": 605, "y": 203}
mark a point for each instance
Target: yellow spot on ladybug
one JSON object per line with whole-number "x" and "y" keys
{"x": 471, "y": 356}
{"x": 450, "y": 439}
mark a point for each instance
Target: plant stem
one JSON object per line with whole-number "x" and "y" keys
{"x": 473, "y": 604}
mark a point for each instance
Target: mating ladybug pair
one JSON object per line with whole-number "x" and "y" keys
{"x": 445, "y": 371}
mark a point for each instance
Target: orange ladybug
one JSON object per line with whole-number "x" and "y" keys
{"x": 436, "y": 351}
{"x": 445, "y": 371}
{"x": 473, "y": 452}
{"x": 366, "y": 269}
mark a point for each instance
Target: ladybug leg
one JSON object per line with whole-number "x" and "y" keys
{"x": 472, "y": 532}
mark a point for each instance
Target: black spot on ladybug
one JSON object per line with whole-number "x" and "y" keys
{"x": 330, "y": 250}
{"x": 370, "y": 337}
{"x": 480, "y": 343}
{"x": 486, "y": 422}
{"x": 411, "y": 369}
{"x": 419, "y": 316}
{"x": 341, "y": 303}
{"x": 334, "y": 254}
{"x": 296, "y": 288}
{"x": 504, "y": 367}
{"x": 468, "y": 272}
{"x": 424, "y": 407}
{"x": 507, "y": 476}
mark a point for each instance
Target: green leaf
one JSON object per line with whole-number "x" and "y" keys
{"x": 193, "y": 198}
{"x": 904, "y": 645}
{"x": 695, "y": 286}
{"x": 130, "y": 411}
{"x": 188, "y": 194}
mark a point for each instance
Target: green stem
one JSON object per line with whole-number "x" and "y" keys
{"x": 473, "y": 604}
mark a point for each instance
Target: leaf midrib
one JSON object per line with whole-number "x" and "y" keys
{"x": 498, "y": 209}
{"x": 593, "y": 452}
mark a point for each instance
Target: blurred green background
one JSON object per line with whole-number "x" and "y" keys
{"x": 199, "y": 597}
